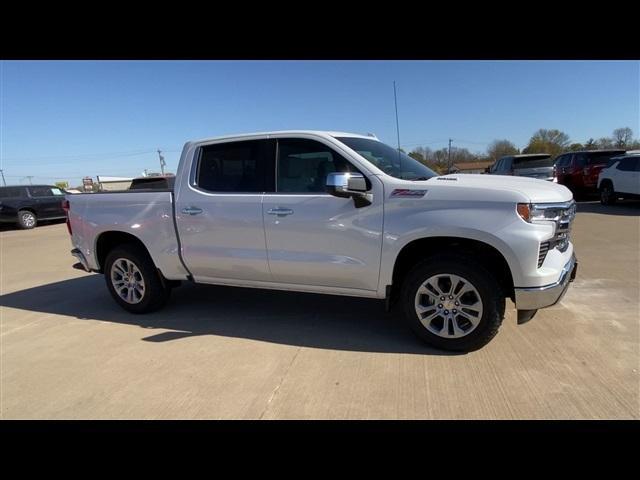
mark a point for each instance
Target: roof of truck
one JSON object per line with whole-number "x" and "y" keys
{"x": 289, "y": 132}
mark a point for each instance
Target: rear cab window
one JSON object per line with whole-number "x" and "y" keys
{"x": 236, "y": 167}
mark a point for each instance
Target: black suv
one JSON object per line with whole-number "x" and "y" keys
{"x": 26, "y": 204}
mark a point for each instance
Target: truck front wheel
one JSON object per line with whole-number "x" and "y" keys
{"x": 453, "y": 303}
{"x": 133, "y": 281}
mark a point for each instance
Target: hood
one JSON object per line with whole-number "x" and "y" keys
{"x": 536, "y": 191}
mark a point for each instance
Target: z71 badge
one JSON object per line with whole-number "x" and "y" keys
{"x": 404, "y": 192}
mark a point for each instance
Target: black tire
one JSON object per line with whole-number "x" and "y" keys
{"x": 155, "y": 294}
{"x": 607, "y": 194}
{"x": 491, "y": 295}
{"x": 27, "y": 219}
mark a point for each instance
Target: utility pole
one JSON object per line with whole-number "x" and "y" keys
{"x": 449, "y": 161}
{"x": 29, "y": 177}
{"x": 162, "y": 162}
{"x": 4, "y": 182}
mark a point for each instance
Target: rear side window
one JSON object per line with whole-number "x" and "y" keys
{"x": 12, "y": 192}
{"x": 236, "y": 166}
{"x": 628, "y": 165}
{"x": 45, "y": 191}
{"x": 600, "y": 158}
{"x": 303, "y": 165}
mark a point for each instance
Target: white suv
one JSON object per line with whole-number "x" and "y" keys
{"x": 621, "y": 178}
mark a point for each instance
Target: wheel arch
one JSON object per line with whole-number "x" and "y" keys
{"x": 483, "y": 253}
{"x": 107, "y": 241}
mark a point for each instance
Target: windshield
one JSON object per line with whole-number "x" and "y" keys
{"x": 388, "y": 160}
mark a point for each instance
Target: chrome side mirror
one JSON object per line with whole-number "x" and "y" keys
{"x": 347, "y": 184}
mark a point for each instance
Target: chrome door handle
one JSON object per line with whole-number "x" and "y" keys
{"x": 191, "y": 210}
{"x": 281, "y": 212}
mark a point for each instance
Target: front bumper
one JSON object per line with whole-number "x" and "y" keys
{"x": 541, "y": 297}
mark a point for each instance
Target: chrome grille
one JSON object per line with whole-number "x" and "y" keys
{"x": 544, "y": 248}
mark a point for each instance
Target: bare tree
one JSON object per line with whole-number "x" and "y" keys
{"x": 605, "y": 142}
{"x": 622, "y": 137}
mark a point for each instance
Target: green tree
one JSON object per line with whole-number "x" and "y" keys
{"x": 574, "y": 147}
{"x": 500, "y": 148}
{"x": 62, "y": 185}
{"x": 553, "y": 142}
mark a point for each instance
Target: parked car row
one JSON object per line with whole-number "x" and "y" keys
{"x": 613, "y": 173}
{"x": 620, "y": 178}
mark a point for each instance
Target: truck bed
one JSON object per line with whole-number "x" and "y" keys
{"x": 147, "y": 215}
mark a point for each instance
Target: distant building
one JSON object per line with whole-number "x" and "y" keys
{"x": 107, "y": 184}
{"x": 470, "y": 167}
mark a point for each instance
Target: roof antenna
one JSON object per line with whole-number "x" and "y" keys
{"x": 395, "y": 97}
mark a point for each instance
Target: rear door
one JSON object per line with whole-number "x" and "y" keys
{"x": 314, "y": 238}
{"x": 219, "y": 212}
{"x": 47, "y": 201}
{"x": 626, "y": 176}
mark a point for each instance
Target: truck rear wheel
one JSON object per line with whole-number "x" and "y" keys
{"x": 453, "y": 303}
{"x": 133, "y": 280}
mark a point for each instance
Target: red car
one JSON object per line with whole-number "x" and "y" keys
{"x": 579, "y": 171}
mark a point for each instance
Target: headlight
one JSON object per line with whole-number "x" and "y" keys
{"x": 561, "y": 215}
{"x": 545, "y": 212}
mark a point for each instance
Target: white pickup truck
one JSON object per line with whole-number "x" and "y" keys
{"x": 340, "y": 214}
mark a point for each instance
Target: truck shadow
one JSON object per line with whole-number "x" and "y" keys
{"x": 291, "y": 318}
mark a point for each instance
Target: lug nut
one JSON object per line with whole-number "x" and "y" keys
{"x": 442, "y": 298}
{"x": 450, "y": 297}
{"x": 439, "y": 305}
{"x": 446, "y": 312}
{"x": 455, "y": 311}
{"x": 457, "y": 304}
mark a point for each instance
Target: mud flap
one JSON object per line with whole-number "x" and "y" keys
{"x": 525, "y": 315}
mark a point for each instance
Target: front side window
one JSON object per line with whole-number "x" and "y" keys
{"x": 388, "y": 159}
{"x": 235, "y": 166}
{"x": 303, "y": 165}
{"x": 563, "y": 161}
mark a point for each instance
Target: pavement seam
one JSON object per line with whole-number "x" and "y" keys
{"x": 275, "y": 390}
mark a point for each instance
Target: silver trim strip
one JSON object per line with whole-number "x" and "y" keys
{"x": 540, "y": 297}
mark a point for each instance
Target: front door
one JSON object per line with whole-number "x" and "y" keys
{"x": 219, "y": 214}
{"x": 314, "y": 238}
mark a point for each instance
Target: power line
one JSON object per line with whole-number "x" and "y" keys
{"x": 92, "y": 155}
